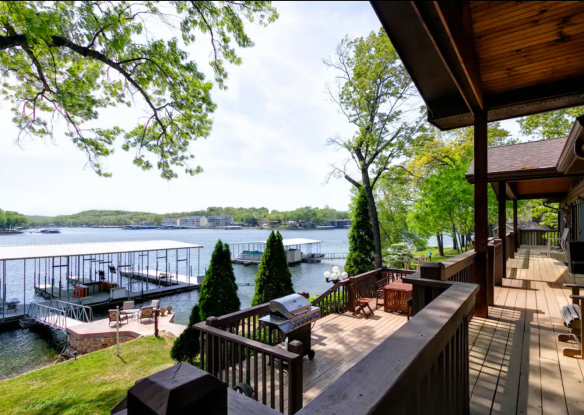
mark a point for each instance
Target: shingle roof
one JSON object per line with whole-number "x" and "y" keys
{"x": 533, "y": 155}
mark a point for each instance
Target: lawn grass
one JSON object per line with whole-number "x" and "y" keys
{"x": 448, "y": 253}
{"x": 93, "y": 384}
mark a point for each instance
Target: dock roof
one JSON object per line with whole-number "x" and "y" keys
{"x": 94, "y": 248}
{"x": 286, "y": 242}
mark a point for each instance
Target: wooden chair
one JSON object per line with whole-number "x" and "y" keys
{"x": 363, "y": 304}
{"x": 146, "y": 312}
{"x": 113, "y": 317}
{"x": 554, "y": 241}
{"x": 572, "y": 315}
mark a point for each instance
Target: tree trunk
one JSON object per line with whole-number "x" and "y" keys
{"x": 440, "y": 240}
{"x": 374, "y": 219}
{"x": 454, "y": 241}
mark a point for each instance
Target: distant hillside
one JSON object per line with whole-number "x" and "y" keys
{"x": 243, "y": 215}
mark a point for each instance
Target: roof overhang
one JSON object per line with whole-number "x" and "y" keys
{"x": 94, "y": 248}
{"x": 445, "y": 54}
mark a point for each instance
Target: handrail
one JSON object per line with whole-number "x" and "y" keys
{"x": 426, "y": 357}
{"x": 536, "y": 236}
{"x": 75, "y": 311}
{"x": 244, "y": 341}
{"x": 228, "y": 319}
{"x": 49, "y": 316}
{"x": 454, "y": 265}
{"x": 274, "y": 374}
{"x": 459, "y": 268}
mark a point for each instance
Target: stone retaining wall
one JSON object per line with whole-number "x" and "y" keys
{"x": 91, "y": 344}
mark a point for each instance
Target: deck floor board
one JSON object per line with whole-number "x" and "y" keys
{"x": 517, "y": 362}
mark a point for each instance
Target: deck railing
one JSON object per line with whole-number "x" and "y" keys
{"x": 421, "y": 368}
{"x": 274, "y": 374}
{"x": 246, "y": 323}
{"x": 536, "y": 237}
{"x": 510, "y": 245}
{"x": 457, "y": 269}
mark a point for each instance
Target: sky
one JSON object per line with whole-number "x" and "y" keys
{"x": 268, "y": 144}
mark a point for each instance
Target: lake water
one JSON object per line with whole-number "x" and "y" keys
{"x": 23, "y": 350}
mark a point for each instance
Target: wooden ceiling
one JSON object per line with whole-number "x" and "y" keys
{"x": 521, "y": 44}
{"x": 510, "y": 59}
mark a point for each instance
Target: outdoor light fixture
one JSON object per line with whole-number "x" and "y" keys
{"x": 335, "y": 276}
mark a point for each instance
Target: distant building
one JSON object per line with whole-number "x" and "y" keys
{"x": 193, "y": 221}
{"x": 341, "y": 223}
{"x": 170, "y": 222}
{"x": 219, "y": 221}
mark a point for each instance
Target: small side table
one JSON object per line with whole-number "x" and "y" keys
{"x": 132, "y": 311}
{"x": 396, "y": 296}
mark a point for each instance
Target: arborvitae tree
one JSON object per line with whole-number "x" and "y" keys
{"x": 187, "y": 346}
{"x": 361, "y": 247}
{"x": 218, "y": 295}
{"x": 274, "y": 279}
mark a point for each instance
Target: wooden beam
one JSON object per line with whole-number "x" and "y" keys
{"x": 511, "y": 191}
{"x": 481, "y": 211}
{"x": 456, "y": 18}
{"x": 515, "y": 226}
{"x": 502, "y": 214}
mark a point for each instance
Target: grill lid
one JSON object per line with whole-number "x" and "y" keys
{"x": 290, "y": 305}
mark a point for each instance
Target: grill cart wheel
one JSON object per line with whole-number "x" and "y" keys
{"x": 244, "y": 389}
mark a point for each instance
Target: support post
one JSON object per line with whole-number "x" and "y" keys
{"x": 515, "y": 226}
{"x": 502, "y": 199}
{"x": 481, "y": 210}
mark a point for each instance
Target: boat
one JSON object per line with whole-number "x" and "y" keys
{"x": 49, "y": 231}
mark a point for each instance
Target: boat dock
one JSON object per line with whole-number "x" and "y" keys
{"x": 298, "y": 250}
{"x": 96, "y": 274}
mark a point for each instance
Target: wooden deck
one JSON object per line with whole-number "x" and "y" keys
{"x": 340, "y": 341}
{"x": 516, "y": 361}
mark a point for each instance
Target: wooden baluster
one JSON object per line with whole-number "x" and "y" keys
{"x": 256, "y": 357}
{"x": 240, "y": 357}
{"x": 281, "y": 389}
{"x": 264, "y": 380}
{"x": 272, "y": 382}
{"x": 202, "y": 349}
{"x": 233, "y": 363}
{"x": 225, "y": 361}
{"x": 248, "y": 364}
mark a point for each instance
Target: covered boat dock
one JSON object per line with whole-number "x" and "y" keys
{"x": 297, "y": 250}
{"x": 94, "y": 274}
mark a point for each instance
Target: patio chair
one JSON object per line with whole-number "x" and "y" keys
{"x": 113, "y": 317}
{"x": 155, "y": 304}
{"x": 362, "y": 304}
{"x": 11, "y": 305}
{"x": 128, "y": 305}
{"x": 146, "y": 312}
{"x": 572, "y": 315}
{"x": 554, "y": 241}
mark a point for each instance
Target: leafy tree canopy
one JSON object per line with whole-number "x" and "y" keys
{"x": 550, "y": 124}
{"x": 10, "y": 220}
{"x": 361, "y": 247}
{"x": 373, "y": 91}
{"x": 187, "y": 346}
{"x": 274, "y": 279}
{"x": 70, "y": 60}
{"x": 218, "y": 294}
{"x": 247, "y": 216}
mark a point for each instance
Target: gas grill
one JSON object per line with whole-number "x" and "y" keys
{"x": 293, "y": 315}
